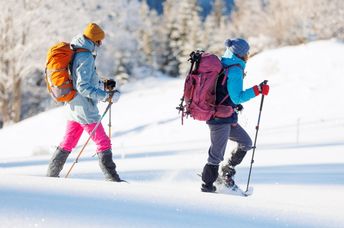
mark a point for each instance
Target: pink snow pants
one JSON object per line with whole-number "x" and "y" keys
{"x": 74, "y": 131}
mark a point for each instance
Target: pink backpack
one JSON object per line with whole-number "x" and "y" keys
{"x": 200, "y": 88}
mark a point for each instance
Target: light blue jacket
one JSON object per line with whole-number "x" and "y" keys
{"x": 83, "y": 108}
{"x": 235, "y": 79}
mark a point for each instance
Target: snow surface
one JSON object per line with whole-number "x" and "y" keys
{"x": 297, "y": 175}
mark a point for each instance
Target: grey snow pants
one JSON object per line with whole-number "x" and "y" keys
{"x": 219, "y": 135}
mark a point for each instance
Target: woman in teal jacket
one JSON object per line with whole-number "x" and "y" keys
{"x": 221, "y": 129}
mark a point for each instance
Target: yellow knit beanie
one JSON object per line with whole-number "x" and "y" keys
{"x": 94, "y": 32}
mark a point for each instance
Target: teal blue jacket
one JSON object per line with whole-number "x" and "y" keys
{"x": 236, "y": 78}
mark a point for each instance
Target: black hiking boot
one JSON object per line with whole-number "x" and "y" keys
{"x": 108, "y": 166}
{"x": 56, "y": 162}
{"x": 208, "y": 188}
{"x": 228, "y": 173}
{"x": 209, "y": 176}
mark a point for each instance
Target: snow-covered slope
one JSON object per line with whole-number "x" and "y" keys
{"x": 297, "y": 175}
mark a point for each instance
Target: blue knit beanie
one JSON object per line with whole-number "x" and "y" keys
{"x": 238, "y": 46}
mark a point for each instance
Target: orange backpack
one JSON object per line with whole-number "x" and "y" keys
{"x": 57, "y": 72}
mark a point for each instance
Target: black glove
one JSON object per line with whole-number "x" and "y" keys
{"x": 109, "y": 84}
{"x": 239, "y": 108}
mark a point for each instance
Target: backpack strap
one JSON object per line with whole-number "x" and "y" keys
{"x": 223, "y": 100}
{"x": 78, "y": 50}
{"x": 75, "y": 51}
{"x": 226, "y": 71}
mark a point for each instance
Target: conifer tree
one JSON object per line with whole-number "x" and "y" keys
{"x": 181, "y": 34}
{"x": 145, "y": 36}
{"x": 247, "y": 17}
{"x": 169, "y": 63}
{"x": 149, "y": 35}
{"x": 188, "y": 33}
{"x": 216, "y": 28}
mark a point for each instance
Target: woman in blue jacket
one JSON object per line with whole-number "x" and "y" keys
{"x": 221, "y": 129}
{"x": 82, "y": 109}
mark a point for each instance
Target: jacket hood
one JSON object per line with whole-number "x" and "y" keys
{"x": 80, "y": 41}
{"x": 229, "y": 58}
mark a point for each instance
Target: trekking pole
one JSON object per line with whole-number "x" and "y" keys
{"x": 111, "y": 90}
{"x": 110, "y": 102}
{"x": 92, "y": 133}
{"x": 255, "y": 139}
